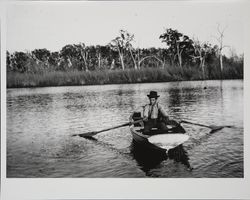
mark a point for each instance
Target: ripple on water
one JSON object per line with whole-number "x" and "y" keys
{"x": 40, "y": 123}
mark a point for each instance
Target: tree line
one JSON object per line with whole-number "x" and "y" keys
{"x": 180, "y": 51}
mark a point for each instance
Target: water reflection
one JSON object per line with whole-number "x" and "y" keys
{"x": 148, "y": 159}
{"x": 179, "y": 154}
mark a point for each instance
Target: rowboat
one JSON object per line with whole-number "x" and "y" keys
{"x": 142, "y": 139}
{"x": 155, "y": 141}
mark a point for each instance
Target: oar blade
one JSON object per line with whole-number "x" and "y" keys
{"x": 216, "y": 128}
{"x": 87, "y": 134}
{"x": 213, "y": 128}
{"x": 89, "y": 138}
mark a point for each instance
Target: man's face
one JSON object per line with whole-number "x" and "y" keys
{"x": 152, "y": 101}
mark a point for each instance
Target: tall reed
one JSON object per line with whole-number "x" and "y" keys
{"x": 68, "y": 78}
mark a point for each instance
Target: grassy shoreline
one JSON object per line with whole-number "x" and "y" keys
{"x": 77, "y": 78}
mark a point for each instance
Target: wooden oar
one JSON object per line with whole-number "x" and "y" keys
{"x": 88, "y": 134}
{"x": 213, "y": 128}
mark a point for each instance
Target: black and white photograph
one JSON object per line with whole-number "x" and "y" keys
{"x": 142, "y": 90}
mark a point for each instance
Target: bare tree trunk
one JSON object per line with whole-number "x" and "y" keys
{"x": 221, "y": 65}
{"x": 112, "y": 64}
{"x": 138, "y": 59}
{"x": 180, "y": 60}
{"x": 86, "y": 64}
{"x": 202, "y": 64}
{"x": 179, "y": 55}
{"x": 122, "y": 62}
{"x": 99, "y": 60}
{"x": 84, "y": 56}
{"x": 220, "y": 40}
{"x": 69, "y": 62}
{"x": 133, "y": 58}
{"x": 121, "y": 59}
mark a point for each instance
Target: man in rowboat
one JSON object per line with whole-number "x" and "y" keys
{"x": 155, "y": 116}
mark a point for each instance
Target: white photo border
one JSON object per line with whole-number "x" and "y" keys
{"x": 127, "y": 188}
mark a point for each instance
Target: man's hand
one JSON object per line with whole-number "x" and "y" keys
{"x": 173, "y": 122}
{"x": 145, "y": 119}
{"x": 176, "y": 122}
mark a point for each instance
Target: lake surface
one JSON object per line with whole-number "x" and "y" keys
{"x": 41, "y": 122}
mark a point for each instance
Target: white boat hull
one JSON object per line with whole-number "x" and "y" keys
{"x": 162, "y": 142}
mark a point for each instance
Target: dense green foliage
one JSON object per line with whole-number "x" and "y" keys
{"x": 119, "y": 62}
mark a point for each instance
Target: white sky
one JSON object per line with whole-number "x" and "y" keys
{"x": 52, "y": 25}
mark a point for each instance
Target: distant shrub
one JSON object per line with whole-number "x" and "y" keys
{"x": 143, "y": 75}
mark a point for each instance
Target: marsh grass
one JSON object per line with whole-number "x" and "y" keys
{"x": 68, "y": 78}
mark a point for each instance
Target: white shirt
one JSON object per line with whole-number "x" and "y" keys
{"x": 151, "y": 111}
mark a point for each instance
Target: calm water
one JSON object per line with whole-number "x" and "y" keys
{"x": 41, "y": 121}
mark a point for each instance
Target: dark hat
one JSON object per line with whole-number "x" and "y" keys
{"x": 153, "y": 94}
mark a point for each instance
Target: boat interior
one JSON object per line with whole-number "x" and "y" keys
{"x": 139, "y": 127}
